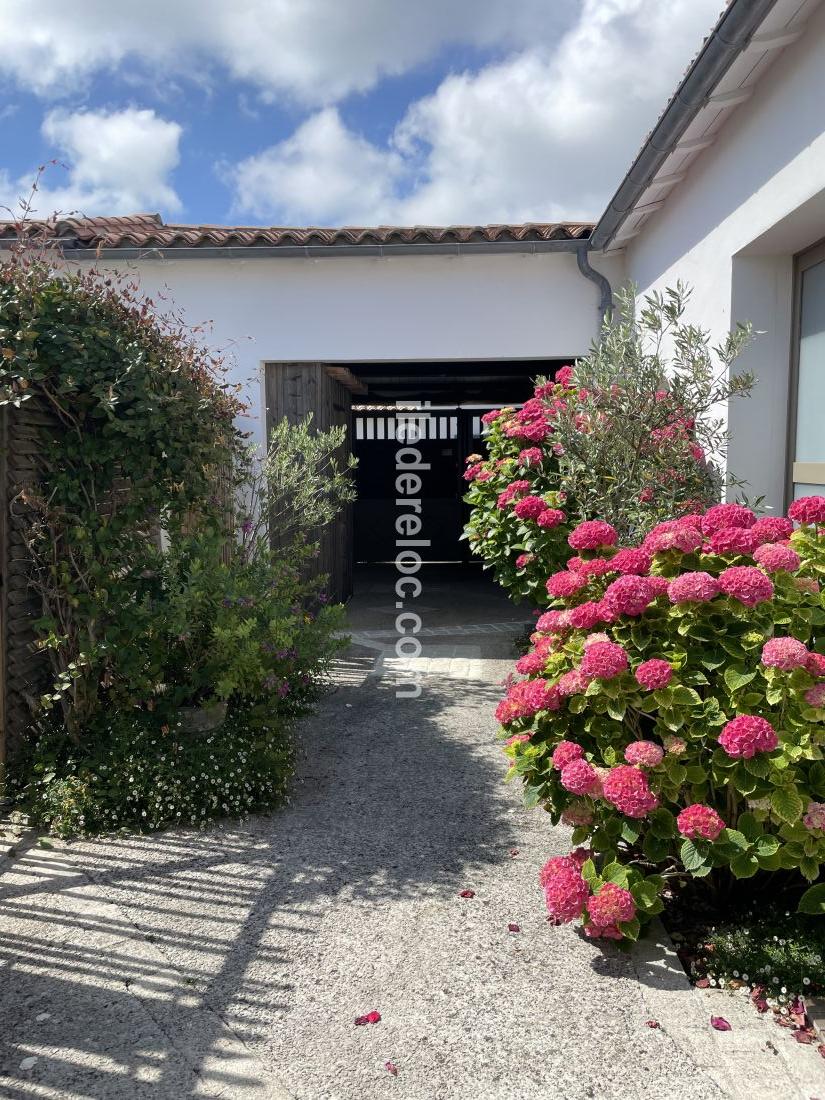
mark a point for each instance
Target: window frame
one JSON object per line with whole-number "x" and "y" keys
{"x": 802, "y": 262}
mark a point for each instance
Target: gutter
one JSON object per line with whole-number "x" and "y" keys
{"x": 579, "y": 246}
{"x": 731, "y": 35}
{"x": 268, "y": 252}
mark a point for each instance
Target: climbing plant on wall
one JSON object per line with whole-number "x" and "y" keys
{"x": 144, "y": 424}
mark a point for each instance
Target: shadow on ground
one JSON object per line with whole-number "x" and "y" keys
{"x": 389, "y": 803}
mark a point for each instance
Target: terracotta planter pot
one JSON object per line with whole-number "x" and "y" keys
{"x": 202, "y": 720}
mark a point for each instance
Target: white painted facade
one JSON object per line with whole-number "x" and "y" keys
{"x": 405, "y": 308}
{"x": 731, "y": 229}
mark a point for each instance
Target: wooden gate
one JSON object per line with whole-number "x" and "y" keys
{"x": 292, "y": 391}
{"x": 24, "y": 670}
{"x": 445, "y": 436}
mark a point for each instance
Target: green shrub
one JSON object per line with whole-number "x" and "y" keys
{"x": 134, "y": 771}
{"x": 673, "y": 710}
{"x": 246, "y": 630}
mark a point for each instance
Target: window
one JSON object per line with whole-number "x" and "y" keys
{"x": 807, "y": 406}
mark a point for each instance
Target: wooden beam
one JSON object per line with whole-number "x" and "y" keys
{"x": 347, "y": 379}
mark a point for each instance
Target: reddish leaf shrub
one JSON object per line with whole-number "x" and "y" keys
{"x": 674, "y": 715}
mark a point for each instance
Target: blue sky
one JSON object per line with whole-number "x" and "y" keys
{"x": 335, "y": 111}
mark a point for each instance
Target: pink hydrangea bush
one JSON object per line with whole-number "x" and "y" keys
{"x": 523, "y": 517}
{"x": 682, "y": 726}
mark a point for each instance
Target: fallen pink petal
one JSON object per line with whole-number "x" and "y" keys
{"x": 652, "y": 1024}
{"x": 392, "y": 1068}
{"x": 369, "y": 1018}
{"x": 720, "y": 1023}
{"x": 467, "y": 894}
{"x": 514, "y": 852}
{"x": 513, "y": 928}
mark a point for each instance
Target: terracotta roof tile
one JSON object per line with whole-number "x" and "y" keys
{"x": 150, "y": 231}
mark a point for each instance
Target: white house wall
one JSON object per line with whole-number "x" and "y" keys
{"x": 472, "y": 307}
{"x": 752, "y": 200}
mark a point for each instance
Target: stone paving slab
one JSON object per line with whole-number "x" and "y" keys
{"x": 232, "y": 962}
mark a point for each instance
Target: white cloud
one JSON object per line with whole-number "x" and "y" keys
{"x": 322, "y": 170}
{"x": 316, "y": 50}
{"x": 117, "y": 162}
{"x": 546, "y": 134}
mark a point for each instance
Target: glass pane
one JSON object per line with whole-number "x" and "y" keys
{"x": 810, "y": 401}
{"x": 808, "y": 491}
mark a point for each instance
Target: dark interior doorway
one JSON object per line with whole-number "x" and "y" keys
{"x": 446, "y": 401}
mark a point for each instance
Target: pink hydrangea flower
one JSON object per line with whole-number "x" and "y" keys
{"x": 527, "y": 698}
{"x": 610, "y": 905}
{"x": 592, "y": 639}
{"x": 530, "y": 507}
{"x": 531, "y": 663}
{"x": 726, "y": 515}
{"x": 524, "y": 560}
{"x": 564, "y": 584}
{"x": 675, "y": 745}
{"x": 653, "y": 674}
{"x": 513, "y": 490}
{"x": 747, "y": 584}
{"x": 572, "y": 683}
{"x": 815, "y": 696}
{"x": 550, "y": 517}
{"x": 808, "y": 510}
{"x": 807, "y": 584}
{"x": 626, "y": 787}
{"x": 565, "y": 753}
{"x": 628, "y": 595}
{"x": 673, "y": 535}
{"x": 565, "y": 896}
{"x": 592, "y": 534}
{"x": 775, "y": 557}
{"x": 696, "y": 587}
{"x": 633, "y": 560}
{"x": 517, "y": 739}
{"x": 564, "y": 376}
{"x": 647, "y": 754}
{"x": 577, "y": 813}
{"x": 747, "y": 735}
{"x": 733, "y": 540}
{"x": 603, "y": 661}
{"x": 609, "y": 932}
{"x": 814, "y": 816}
{"x": 579, "y": 777}
{"x": 815, "y": 664}
{"x": 553, "y": 622}
{"x": 772, "y": 529}
{"x": 554, "y": 866}
{"x": 530, "y": 456}
{"x": 491, "y": 416}
{"x": 658, "y": 585}
{"x": 587, "y": 615}
{"x": 593, "y": 567}
{"x": 785, "y": 654}
{"x": 700, "y": 821}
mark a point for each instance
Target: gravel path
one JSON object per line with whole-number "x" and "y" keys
{"x": 196, "y": 963}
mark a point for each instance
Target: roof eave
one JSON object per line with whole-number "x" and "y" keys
{"x": 731, "y": 35}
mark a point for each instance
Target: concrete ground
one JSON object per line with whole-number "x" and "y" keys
{"x": 232, "y": 962}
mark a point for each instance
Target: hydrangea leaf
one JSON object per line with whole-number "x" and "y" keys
{"x": 786, "y": 804}
{"x": 813, "y": 901}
